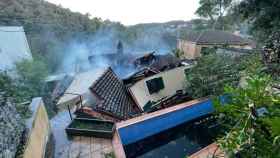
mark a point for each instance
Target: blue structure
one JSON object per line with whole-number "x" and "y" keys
{"x": 140, "y": 130}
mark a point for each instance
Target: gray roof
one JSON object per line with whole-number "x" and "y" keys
{"x": 13, "y": 46}
{"x": 163, "y": 61}
{"x": 114, "y": 97}
{"x": 215, "y": 37}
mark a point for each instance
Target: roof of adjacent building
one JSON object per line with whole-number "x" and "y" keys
{"x": 157, "y": 62}
{"x": 113, "y": 94}
{"x": 164, "y": 61}
{"x": 13, "y": 46}
{"x": 80, "y": 85}
{"x": 215, "y": 37}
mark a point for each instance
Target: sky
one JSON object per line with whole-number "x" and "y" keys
{"x": 130, "y": 12}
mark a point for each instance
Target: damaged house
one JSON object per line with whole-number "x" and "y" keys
{"x": 123, "y": 112}
{"x": 160, "y": 90}
{"x": 102, "y": 94}
{"x": 99, "y": 94}
{"x": 157, "y": 61}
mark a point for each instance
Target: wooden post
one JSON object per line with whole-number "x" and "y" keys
{"x": 81, "y": 100}
{"x": 69, "y": 112}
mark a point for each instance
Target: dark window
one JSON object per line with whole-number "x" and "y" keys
{"x": 155, "y": 85}
{"x": 148, "y": 105}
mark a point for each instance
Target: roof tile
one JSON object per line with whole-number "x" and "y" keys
{"x": 112, "y": 91}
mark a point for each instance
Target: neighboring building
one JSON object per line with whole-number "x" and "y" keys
{"x": 13, "y": 47}
{"x": 79, "y": 87}
{"x": 194, "y": 42}
{"x": 159, "y": 86}
{"x": 39, "y": 140}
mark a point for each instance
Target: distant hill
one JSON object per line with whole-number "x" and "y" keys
{"x": 170, "y": 26}
{"x": 51, "y": 29}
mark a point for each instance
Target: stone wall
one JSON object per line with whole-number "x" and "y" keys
{"x": 11, "y": 129}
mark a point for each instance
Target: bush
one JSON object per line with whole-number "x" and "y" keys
{"x": 28, "y": 83}
{"x": 211, "y": 73}
{"x": 31, "y": 76}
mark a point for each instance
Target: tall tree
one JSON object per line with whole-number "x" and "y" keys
{"x": 264, "y": 18}
{"x": 263, "y": 14}
{"x": 215, "y": 10}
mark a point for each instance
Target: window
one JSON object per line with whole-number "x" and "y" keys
{"x": 155, "y": 85}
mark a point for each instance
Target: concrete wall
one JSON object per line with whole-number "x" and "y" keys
{"x": 11, "y": 128}
{"x": 173, "y": 79}
{"x": 39, "y": 131}
{"x": 192, "y": 50}
{"x": 13, "y": 47}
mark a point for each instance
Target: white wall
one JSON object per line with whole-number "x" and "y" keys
{"x": 173, "y": 79}
{"x": 13, "y": 47}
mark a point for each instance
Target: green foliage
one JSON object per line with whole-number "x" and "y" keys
{"x": 110, "y": 155}
{"x": 49, "y": 28}
{"x": 31, "y": 76}
{"x": 263, "y": 14}
{"x": 272, "y": 54}
{"x": 28, "y": 83}
{"x": 10, "y": 91}
{"x": 210, "y": 74}
{"x": 214, "y": 10}
{"x": 178, "y": 53}
{"x": 200, "y": 24}
{"x": 251, "y": 134}
{"x": 207, "y": 50}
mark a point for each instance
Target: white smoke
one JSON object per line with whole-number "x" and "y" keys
{"x": 105, "y": 42}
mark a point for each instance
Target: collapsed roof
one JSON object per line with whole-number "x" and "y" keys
{"x": 157, "y": 62}
{"x": 115, "y": 100}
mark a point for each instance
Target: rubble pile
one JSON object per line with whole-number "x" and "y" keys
{"x": 11, "y": 128}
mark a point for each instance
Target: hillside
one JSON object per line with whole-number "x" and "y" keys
{"x": 55, "y": 33}
{"x": 48, "y": 27}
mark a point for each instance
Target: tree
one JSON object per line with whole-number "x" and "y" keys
{"x": 263, "y": 14}
{"x": 252, "y": 117}
{"x": 31, "y": 77}
{"x": 9, "y": 92}
{"x": 271, "y": 55}
{"x": 178, "y": 53}
{"x": 28, "y": 83}
{"x": 215, "y": 10}
{"x": 211, "y": 73}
